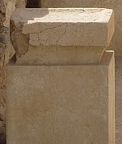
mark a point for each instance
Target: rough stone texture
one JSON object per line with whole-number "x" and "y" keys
{"x": 73, "y": 104}
{"x": 116, "y": 43}
{"x": 41, "y": 35}
{"x": 6, "y": 52}
{"x": 2, "y": 12}
{"x": 66, "y": 27}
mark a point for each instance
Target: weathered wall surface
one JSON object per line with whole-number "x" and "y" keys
{"x": 6, "y": 52}
{"x": 116, "y": 43}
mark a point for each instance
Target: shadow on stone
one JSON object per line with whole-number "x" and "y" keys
{"x": 2, "y": 138}
{"x": 33, "y": 4}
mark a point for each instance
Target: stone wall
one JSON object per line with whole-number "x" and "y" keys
{"x": 6, "y": 52}
{"x": 116, "y": 43}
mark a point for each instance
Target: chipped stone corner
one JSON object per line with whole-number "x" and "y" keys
{"x": 19, "y": 40}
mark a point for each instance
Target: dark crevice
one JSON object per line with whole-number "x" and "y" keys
{"x": 13, "y": 60}
{"x": 2, "y": 139}
{"x": 33, "y": 4}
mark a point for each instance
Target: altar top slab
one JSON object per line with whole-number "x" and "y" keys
{"x": 90, "y": 27}
{"x": 73, "y": 15}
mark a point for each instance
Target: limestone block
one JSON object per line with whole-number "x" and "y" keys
{"x": 116, "y": 5}
{"x": 67, "y": 27}
{"x": 61, "y": 104}
{"x": 65, "y": 36}
{"x": 42, "y": 55}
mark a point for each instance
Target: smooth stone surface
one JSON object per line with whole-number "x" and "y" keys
{"x": 61, "y": 104}
{"x": 42, "y": 55}
{"x": 67, "y": 27}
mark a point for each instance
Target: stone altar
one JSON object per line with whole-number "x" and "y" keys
{"x": 61, "y": 89}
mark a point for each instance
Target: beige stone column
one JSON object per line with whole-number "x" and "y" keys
{"x": 61, "y": 88}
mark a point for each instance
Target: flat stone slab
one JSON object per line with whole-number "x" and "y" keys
{"x": 66, "y": 27}
{"x": 61, "y": 104}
